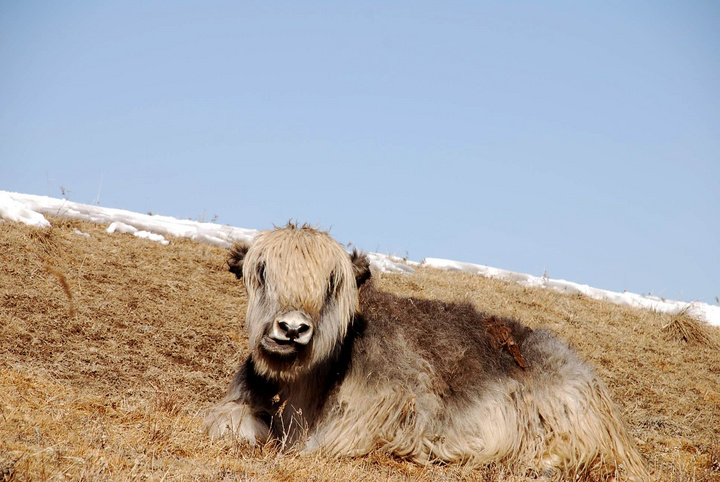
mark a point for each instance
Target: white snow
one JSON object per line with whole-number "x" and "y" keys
{"x": 391, "y": 264}
{"x": 30, "y": 209}
{"x": 37, "y": 206}
{"x": 13, "y": 210}
{"x": 118, "y": 227}
{"x": 697, "y": 310}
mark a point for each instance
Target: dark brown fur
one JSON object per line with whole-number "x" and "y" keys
{"x": 236, "y": 258}
{"x": 361, "y": 267}
{"x": 468, "y": 353}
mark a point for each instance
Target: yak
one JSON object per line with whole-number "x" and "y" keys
{"x": 340, "y": 367}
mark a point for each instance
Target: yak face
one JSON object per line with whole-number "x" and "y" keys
{"x": 302, "y": 295}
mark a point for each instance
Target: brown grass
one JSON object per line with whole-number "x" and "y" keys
{"x": 112, "y": 347}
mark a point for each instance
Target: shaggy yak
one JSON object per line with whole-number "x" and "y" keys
{"x": 339, "y": 367}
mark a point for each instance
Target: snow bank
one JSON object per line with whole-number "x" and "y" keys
{"x": 118, "y": 227}
{"x": 390, "y": 264}
{"x": 697, "y": 310}
{"x": 13, "y": 210}
{"x": 163, "y": 226}
{"x": 30, "y": 209}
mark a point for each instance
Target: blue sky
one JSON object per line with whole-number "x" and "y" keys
{"x": 581, "y": 139}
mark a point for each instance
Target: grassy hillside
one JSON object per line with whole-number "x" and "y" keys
{"x": 112, "y": 347}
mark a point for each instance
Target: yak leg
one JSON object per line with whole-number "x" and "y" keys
{"x": 237, "y": 419}
{"x": 242, "y": 412}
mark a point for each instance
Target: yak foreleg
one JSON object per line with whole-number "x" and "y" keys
{"x": 241, "y": 413}
{"x": 237, "y": 419}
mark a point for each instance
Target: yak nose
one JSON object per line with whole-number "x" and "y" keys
{"x": 293, "y": 326}
{"x": 294, "y": 330}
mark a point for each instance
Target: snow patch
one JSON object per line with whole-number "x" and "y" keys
{"x": 158, "y": 238}
{"x": 390, "y": 264}
{"x": 119, "y": 227}
{"x": 697, "y": 310}
{"x": 14, "y": 210}
{"x": 211, "y": 233}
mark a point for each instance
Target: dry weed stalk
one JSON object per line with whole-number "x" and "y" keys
{"x": 65, "y": 285}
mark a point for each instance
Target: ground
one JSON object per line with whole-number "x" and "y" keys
{"x": 112, "y": 348}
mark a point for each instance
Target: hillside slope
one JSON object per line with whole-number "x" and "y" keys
{"x": 111, "y": 348}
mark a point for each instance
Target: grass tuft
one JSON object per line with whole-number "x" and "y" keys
{"x": 687, "y": 330}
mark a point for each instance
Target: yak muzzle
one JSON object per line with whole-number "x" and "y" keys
{"x": 289, "y": 332}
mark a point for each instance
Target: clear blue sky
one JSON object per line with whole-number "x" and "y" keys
{"x": 577, "y": 138}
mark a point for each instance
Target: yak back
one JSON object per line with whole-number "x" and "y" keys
{"x": 459, "y": 348}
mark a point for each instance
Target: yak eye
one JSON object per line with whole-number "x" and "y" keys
{"x": 261, "y": 273}
{"x": 333, "y": 285}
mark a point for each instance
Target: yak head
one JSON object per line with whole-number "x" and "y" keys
{"x": 302, "y": 296}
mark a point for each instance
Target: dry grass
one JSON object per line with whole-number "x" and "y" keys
{"x": 111, "y": 348}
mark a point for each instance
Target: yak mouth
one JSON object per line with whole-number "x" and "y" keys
{"x": 280, "y": 348}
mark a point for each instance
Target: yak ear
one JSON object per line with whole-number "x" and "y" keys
{"x": 361, "y": 267}
{"x": 236, "y": 258}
